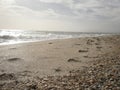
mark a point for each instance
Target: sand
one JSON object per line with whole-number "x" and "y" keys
{"x": 23, "y": 66}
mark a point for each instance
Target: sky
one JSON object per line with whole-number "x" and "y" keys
{"x": 61, "y": 15}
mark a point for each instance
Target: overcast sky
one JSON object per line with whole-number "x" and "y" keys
{"x": 61, "y": 15}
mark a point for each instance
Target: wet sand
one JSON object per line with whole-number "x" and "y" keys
{"x": 69, "y": 64}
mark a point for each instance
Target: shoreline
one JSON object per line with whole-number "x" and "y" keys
{"x": 23, "y": 42}
{"x": 38, "y": 65}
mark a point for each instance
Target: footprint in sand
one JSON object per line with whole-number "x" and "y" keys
{"x": 83, "y": 51}
{"x": 97, "y": 43}
{"x": 7, "y": 76}
{"x": 50, "y": 43}
{"x": 86, "y": 56}
{"x": 77, "y": 44}
{"x": 14, "y": 59}
{"x": 99, "y": 47}
{"x": 58, "y": 69}
{"x": 13, "y": 48}
{"x": 73, "y": 60}
{"x": 90, "y": 57}
{"x": 90, "y": 42}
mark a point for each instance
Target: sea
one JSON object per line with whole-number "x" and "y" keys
{"x": 9, "y": 36}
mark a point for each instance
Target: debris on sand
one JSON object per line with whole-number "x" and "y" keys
{"x": 104, "y": 75}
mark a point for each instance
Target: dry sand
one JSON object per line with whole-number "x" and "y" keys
{"x": 25, "y": 66}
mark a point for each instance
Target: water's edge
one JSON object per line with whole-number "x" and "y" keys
{"x": 23, "y": 36}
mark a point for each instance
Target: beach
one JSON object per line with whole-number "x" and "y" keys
{"x": 86, "y": 63}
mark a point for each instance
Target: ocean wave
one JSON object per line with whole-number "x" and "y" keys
{"x": 15, "y": 36}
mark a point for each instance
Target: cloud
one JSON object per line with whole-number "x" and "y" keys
{"x": 52, "y": 1}
{"x": 80, "y": 9}
{"x": 7, "y": 2}
{"x": 39, "y": 6}
{"x": 84, "y": 14}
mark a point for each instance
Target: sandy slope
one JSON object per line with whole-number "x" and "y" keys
{"x": 55, "y": 57}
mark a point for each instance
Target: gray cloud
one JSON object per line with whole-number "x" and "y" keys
{"x": 84, "y": 14}
{"x": 94, "y": 9}
{"x": 41, "y": 6}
